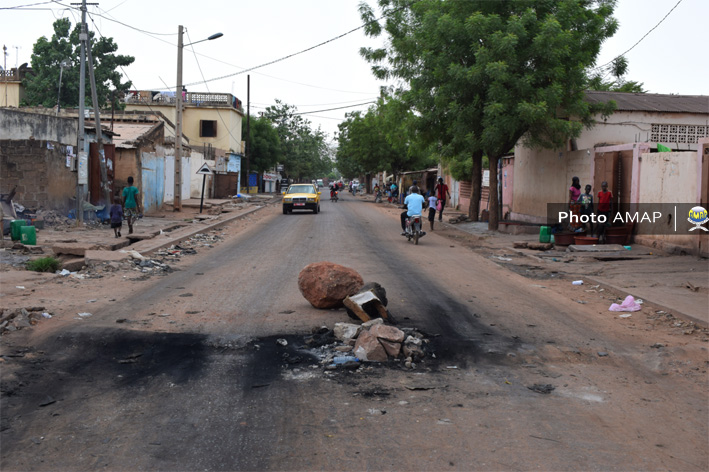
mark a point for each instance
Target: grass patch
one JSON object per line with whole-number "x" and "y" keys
{"x": 44, "y": 264}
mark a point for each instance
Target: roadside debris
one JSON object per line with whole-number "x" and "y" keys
{"x": 577, "y": 282}
{"x": 629, "y": 304}
{"x": 19, "y": 318}
{"x": 542, "y": 388}
{"x": 369, "y": 303}
{"x": 326, "y": 285}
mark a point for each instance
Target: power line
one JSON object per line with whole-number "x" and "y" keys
{"x": 18, "y": 7}
{"x": 331, "y": 109}
{"x": 640, "y": 40}
{"x": 299, "y": 52}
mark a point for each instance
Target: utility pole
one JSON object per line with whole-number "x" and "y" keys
{"x": 99, "y": 134}
{"x": 81, "y": 173}
{"x": 177, "y": 199}
{"x": 248, "y": 133}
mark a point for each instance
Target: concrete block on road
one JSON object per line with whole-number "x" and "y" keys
{"x": 73, "y": 249}
{"x": 99, "y": 257}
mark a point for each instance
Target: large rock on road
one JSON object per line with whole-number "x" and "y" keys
{"x": 325, "y": 284}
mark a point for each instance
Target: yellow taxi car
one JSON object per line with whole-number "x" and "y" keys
{"x": 301, "y": 197}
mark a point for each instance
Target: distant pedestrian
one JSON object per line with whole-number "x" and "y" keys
{"x": 574, "y": 206}
{"x": 116, "y": 215}
{"x": 441, "y": 191}
{"x": 131, "y": 204}
{"x": 586, "y": 203}
{"x": 432, "y": 202}
{"x": 605, "y": 207}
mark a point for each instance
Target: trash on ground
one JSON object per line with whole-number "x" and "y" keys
{"x": 629, "y": 304}
{"x": 85, "y": 315}
{"x": 542, "y": 388}
{"x": 625, "y": 315}
{"x": 64, "y": 272}
{"x": 577, "y": 282}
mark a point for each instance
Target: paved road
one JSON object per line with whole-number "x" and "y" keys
{"x": 184, "y": 373}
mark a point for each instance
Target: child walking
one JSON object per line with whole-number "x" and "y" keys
{"x": 116, "y": 215}
{"x": 432, "y": 202}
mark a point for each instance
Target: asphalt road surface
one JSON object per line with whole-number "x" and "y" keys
{"x": 184, "y": 372}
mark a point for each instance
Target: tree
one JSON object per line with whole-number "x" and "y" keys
{"x": 485, "y": 74}
{"x": 265, "y": 149}
{"x": 304, "y": 151}
{"x": 47, "y": 55}
{"x": 382, "y": 139}
{"x": 617, "y": 69}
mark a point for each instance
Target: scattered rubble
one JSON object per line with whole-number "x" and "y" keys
{"x": 326, "y": 285}
{"x": 19, "y": 318}
{"x": 458, "y": 219}
{"x": 350, "y": 345}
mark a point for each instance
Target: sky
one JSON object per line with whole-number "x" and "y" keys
{"x": 670, "y": 59}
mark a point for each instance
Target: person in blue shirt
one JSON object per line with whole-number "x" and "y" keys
{"x": 414, "y": 204}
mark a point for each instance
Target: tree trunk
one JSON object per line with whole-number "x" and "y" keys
{"x": 476, "y": 192}
{"x": 494, "y": 202}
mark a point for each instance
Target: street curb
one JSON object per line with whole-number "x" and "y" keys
{"x": 162, "y": 244}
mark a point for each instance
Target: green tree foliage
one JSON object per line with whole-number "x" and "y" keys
{"x": 304, "y": 150}
{"x": 265, "y": 149}
{"x": 41, "y": 86}
{"x": 382, "y": 139}
{"x": 484, "y": 74}
{"x": 616, "y": 83}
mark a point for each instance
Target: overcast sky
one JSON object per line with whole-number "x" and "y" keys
{"x": 671, "y": 59}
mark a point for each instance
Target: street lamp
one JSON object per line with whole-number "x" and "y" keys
{"x": 177, "y": 199}
{"x": 62, "y": 65}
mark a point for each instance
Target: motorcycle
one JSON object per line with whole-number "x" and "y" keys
{"x": 413, "y": 228}
{"x": 333, "y": 195}
{"x": 378, "y": 197}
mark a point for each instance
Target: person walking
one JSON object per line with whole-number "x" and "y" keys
{"x": 116, "y": 215}
{"x": 432, "y": 202}
{"x": 131, "y": 204}
{"x": 441, "y": 191}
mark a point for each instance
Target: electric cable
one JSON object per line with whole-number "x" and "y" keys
{"x": 640, "y": 40}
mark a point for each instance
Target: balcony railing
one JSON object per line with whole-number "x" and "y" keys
{"x": 197, "y": 99}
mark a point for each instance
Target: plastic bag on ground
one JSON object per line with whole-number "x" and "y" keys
{"x": 629, "y": 304}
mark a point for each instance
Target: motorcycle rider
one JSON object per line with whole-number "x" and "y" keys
{"x": 414, "y": 204}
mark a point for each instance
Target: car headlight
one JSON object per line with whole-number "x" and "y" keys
{"x": 311, "y": 199}
{"x": 288, "y": 199}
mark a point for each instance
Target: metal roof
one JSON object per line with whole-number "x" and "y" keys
{"x": 129, "y": 133}
{"x": 653, "y": 102}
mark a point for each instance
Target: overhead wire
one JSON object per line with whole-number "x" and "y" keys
{"x": 640, "y": 40}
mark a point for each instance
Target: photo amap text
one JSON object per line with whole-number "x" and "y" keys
{"x": 628, "y": 217}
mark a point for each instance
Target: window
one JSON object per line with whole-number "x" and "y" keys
{"x": 207, "y": 129}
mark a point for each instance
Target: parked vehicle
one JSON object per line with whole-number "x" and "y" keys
{"x": 413, "y": 228}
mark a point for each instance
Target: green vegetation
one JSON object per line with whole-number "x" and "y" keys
{"x": 304, "y": 153}
{"x": 482, "y": 75}
{"x": 44, "y": 264}
{"x": 47, "y": 55}
{"x": 383, "y": 138}
{"x": 265, "y": 149}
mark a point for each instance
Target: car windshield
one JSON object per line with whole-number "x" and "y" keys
{"x": 301, "y": 189}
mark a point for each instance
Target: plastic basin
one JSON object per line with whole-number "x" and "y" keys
{"x": 585, "y": 240}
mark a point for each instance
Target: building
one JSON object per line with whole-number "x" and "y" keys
{"x": 210, "y": 121}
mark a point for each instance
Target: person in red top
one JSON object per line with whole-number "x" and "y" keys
{"x": 605, "y": 206}
{"x": 441, "y": 191}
